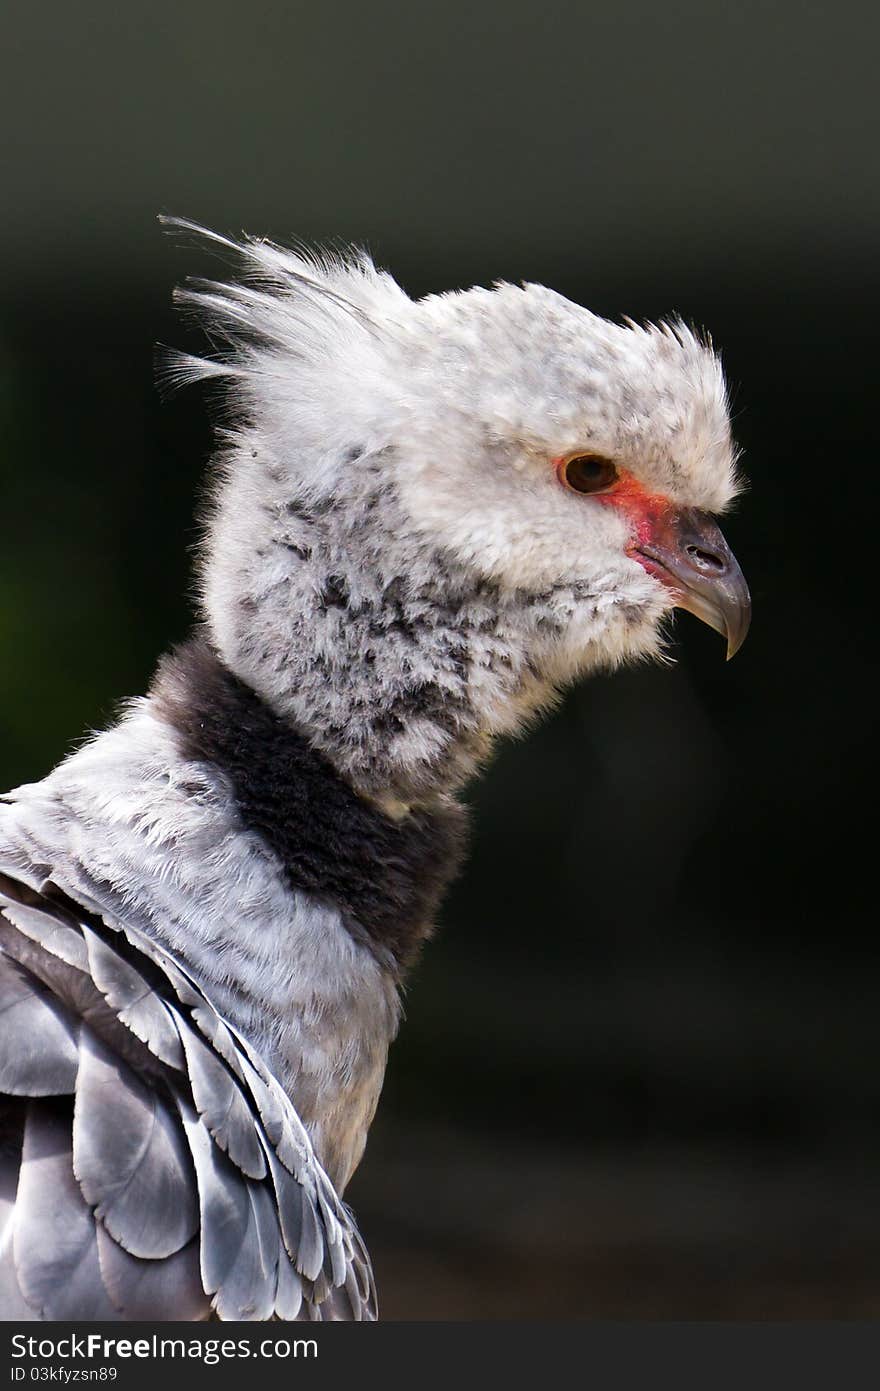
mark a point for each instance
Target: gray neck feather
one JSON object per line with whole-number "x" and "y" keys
{"x": 396, "y": 663}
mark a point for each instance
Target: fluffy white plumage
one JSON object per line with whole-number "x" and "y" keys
{"x": 431, "y": 425}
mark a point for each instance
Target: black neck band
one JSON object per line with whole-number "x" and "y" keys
{"x": 386, "y": 877}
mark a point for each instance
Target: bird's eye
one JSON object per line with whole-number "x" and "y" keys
{"x": 587, "y": 473}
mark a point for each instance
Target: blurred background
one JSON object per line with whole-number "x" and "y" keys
{"x": 638, "y": 1076}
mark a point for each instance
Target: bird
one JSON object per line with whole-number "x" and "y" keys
{"x": 427, "y": 518}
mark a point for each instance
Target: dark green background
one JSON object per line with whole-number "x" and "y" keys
{"x": 638, "y": 1072}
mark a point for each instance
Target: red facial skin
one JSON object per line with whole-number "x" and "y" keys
{"x": 645, "y": 512}
{"x": 682, "y": 547}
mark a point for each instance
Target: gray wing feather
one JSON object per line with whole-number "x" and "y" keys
{"x": 310, "y": 1255}
{"x": 129, "y": 1156}
{"x": 250, "y": 1294}
{"x": 222, "y": 1106}
{"x": 288, "y": 1291}
{"x": 279, "y": 1119}
{"x": 289, "y": 1201}
{"x": 38, "y": 1054}
{"x": 341, "y": 1303}
{"x": 188, "y": 1182}
{"x": 151, "y": 1290}
{"x": 12, "y": 1302}
{"x": 54, "y": 1242}
{"x": 77, "y": 992}
{"x": 359, "y": 1282}
{"x": 238, "y": 1264}
{"x": 218, "y": 1034}
{"x": 334, "y": 1244}
{"x": 134, "y": 1000}
{"x": 53, "y": 933}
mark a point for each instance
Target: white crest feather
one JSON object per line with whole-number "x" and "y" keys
{"x": 296, "y": 301}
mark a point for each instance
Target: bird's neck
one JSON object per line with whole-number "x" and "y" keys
{"x": 394, "y": 663}
{"x": 384, "y": 874}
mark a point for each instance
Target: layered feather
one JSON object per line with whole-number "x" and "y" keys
{"x": 152, "y": 1167}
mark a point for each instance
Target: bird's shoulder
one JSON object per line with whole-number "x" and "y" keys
{"x": 151, "y": 1165}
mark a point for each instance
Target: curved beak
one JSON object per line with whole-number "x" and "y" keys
{"x": 686, "y": 550}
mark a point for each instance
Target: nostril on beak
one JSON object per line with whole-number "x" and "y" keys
{"x": 707, "y": 561}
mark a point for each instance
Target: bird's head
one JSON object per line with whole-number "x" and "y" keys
{"x": 546, "y": 444}
{"x": 544, "y": 478}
